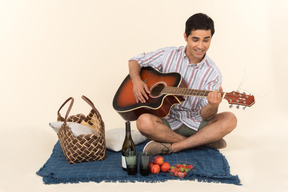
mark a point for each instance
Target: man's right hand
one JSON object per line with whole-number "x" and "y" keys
{"x": 140, "y": 90}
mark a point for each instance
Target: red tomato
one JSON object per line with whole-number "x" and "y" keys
{"x": 158, "y": 160}
{"x": 165, "y": 167}
{"x": 155, "y": 168}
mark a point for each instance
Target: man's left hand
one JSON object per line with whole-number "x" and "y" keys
{"x": 214, "y": 98}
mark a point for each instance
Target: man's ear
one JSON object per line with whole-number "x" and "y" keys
{"x": 185, "y": 37}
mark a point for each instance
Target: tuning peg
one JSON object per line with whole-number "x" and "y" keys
{"x": 244, "y": 108}
{"x": 231, "y": 106}
{"x": 237, "y": 107}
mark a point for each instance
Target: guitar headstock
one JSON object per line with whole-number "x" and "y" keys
{"x": 239, "y": 99}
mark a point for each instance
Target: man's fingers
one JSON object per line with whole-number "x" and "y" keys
{"x": 220, "y": 88}
{"x": 146, "y": 91}
{"x": 214, "y": 97}
{"x": 146, "y": 88}
{"x": 144, "y": 94}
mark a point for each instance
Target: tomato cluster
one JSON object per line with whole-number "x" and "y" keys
{"x": 180, "y": 170}
{"x": 158, "y": 165}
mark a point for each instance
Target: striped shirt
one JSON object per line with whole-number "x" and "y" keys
{"x": 204, "y": 76}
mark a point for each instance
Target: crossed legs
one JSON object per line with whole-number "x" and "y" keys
{"x": 219, "y": 126}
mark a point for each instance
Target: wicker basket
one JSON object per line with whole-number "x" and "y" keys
{"x": 83, "y": 148}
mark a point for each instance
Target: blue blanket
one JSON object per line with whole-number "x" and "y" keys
{"x": 209, "y": 166}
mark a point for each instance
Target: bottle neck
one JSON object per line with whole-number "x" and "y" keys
{"x": 128, "y": 129}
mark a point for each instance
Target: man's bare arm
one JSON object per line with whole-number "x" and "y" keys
{"x": 211, "y": 109}
{"x": 140, "y": 89}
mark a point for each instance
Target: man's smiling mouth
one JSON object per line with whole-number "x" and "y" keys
{"x": 199, "y": 51}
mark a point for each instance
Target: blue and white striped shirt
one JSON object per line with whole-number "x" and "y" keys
{"x": 204, "y": 76}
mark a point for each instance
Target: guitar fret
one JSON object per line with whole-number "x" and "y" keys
{"x": 178, "y": 91}
{"x": 202, "y": 93}
{"x": 184, "y": 91}
{"x": 193, "y": 92}
{"x": 197, "y": 92}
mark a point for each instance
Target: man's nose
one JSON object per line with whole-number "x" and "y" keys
{"x": 200, "y": 45}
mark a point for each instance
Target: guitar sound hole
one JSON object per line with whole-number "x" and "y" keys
{"x": 156, "y": 91}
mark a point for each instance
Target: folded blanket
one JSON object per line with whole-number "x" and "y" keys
{"x": 209, "y": 166}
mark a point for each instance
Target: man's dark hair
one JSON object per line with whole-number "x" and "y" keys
{"x": 199, "y": 21}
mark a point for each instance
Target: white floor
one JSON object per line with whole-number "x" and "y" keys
{"x": 256, "y": 152}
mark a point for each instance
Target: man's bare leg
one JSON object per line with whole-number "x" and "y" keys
{"x": 153, "y": 128}
{"x": 219, "y": 126}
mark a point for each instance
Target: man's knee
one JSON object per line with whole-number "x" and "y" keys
{"x": 145, "y": 123}
{"x": 229, "y": 121}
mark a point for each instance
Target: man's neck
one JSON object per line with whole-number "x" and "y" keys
{"x": 192, "y": 59}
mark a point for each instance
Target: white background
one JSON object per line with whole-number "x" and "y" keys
{"x": 53, "y": 49}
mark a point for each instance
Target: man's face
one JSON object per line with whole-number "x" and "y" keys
{"x": 198, "y": 43}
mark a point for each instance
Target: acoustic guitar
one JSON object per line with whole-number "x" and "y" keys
{"x": 166, "y": 90}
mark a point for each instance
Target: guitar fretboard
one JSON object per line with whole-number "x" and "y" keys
{"x": 181, "y": 91}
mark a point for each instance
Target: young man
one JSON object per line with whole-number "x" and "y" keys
{"x": 195, "y": 122}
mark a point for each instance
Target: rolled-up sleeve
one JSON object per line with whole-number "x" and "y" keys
{"x": 152, "y": 59}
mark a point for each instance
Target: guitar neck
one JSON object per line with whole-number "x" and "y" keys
{"x": 181, "y": 91}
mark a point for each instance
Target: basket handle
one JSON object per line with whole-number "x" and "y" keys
{"x": 89, "y": 102}
{"x": 60, "y": 118}
{"x": 94, "y": 109}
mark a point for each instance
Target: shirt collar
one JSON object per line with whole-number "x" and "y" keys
{"x": 202, "y": 62}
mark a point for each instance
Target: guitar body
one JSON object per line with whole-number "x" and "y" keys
{"x": 126, "y": 105}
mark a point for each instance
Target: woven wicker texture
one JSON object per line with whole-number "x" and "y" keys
{"x": 83, "y": 148}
